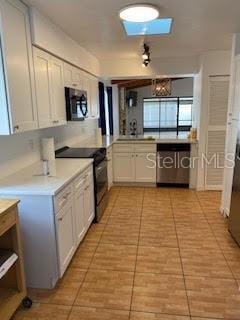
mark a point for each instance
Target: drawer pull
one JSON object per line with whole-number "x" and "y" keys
{"x": 60, "y": 219}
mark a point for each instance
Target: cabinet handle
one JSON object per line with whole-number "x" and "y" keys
{"x": 16, "y": 128}
{"x": 60, "y": 219}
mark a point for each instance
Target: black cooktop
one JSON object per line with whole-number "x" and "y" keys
{"x": 98, "y": 154}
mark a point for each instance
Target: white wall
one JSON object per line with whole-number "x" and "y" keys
{"x": 21, "y": 150}
{"x": 180, "y": 88}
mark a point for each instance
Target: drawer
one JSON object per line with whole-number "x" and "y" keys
{"x": 141, "y": 147}
{"x": 7, "y": 220}
{"x": 63, "y": 197}
{"x": 82, "y": 179}
{"x": 123, "y": 147}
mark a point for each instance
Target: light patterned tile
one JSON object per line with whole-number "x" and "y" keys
{"x": 94, "y": 233}
{"x": 159, "y": 212}
{"x": 121, "y": 234}
{"x": 152, "y": 236}
{"x": 115, "y": 257}
{"x": 156, "y": 316}
{"x": 159, "y": 260}
{"x": 43, "y": 312}
{"x": 200, "y": 262}
{"x": 129, "y": 220}
{"x": 213, "y": 298}
{"x": 233, "y": 260}
{"x": 159, "y": 293}
{"x": 106, "y": 289}
{"x": 128, "y": 201}
{"x": 84, "y": 255}
{"x": 64, "y": 293}
{"x": 84, "y": 313}
{"x": 128, "y": 211}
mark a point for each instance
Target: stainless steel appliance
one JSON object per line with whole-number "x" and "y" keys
{"x": 234, "y": 216}
{"x": 173, "y": 164}
{"x": 100, "y": 173}
{"x": 76, "y": 104}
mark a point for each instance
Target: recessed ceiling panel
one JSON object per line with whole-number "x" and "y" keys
{"x": 154, "y": 27}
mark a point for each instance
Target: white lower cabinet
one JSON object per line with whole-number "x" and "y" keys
{"x": 145, "y": 167}
{"x": 134, "y": 163}
{"x": 89, "y": 207}
{"x": 65, "y": 236}
{"x": 123, "y": 167}
{"x": 75, "y": 212}
{"x": 80, "y": 225}
{"x": 110, "y": 167}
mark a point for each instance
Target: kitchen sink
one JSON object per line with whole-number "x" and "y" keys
{"x": 136, "y": 139}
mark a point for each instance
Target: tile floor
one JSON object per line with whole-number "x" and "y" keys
{"x": 158, "y": 254}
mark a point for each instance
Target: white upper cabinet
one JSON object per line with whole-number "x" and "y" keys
{"x": 80, "y": 80}
{"x": 18, "y": 107}
{"x": 49, "y": 89}
{"x": 58, "y": 96}
{"x": 42, "y": 66}
{"x": 72, "y": 77}
{"x": 94, "y": 98}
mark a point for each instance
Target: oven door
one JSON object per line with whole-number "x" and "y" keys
{"x": 101, "y": 180}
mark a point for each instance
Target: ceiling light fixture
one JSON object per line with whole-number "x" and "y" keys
{"x": 139, "y": 13}
{"x": 162, "y": 87}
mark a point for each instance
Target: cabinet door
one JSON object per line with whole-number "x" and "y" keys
{"x": 42, "y": 68}
{"x": 79, "y": 215}
{"x": 18, "y": 63}
{"x": 89, "y": 205}
{"x": 58, "y": 96}
{"x": 123, "y": 167}
{"x": 110, "y": 167}
{"x": 65, "y": 236}
{"x": 94, "y": 98}
{"x": 68, "y": 75}
{"x": 145, "y": 167}
{"x": 77, "y": 79}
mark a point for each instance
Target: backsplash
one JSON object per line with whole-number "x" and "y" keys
{"x": 19, "y": 151}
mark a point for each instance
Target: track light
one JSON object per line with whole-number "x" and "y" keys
{"x": 146, "y": 55}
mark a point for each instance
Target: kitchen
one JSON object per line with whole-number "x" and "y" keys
{"x": 91, "y": 225}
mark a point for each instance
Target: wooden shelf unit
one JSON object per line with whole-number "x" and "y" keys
{"x": 12, "y": 285}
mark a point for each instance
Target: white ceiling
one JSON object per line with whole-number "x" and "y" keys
{"x": 199, "y": 25}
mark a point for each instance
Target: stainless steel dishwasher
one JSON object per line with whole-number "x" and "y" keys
{"x": 173, "y": 164}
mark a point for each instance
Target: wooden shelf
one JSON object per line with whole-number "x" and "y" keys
{"x": 10, "y": 299}
{"x": 12, "y": 284}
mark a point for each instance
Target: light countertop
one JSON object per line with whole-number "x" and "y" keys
{"x": 6, "y": 204}
{"x": 107, "y": 141}
{"x": 30, "y": 180}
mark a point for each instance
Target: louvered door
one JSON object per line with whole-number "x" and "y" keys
{"x": 216, "y": 133}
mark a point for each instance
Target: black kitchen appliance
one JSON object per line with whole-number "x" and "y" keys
{"x": 76, "y": 104}
{"x": 100, "y": 173}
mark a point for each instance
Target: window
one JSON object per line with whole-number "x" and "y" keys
{"x": 167, "y": 114}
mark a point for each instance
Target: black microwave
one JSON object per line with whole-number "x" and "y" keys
{"x": 76, "y": 104}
